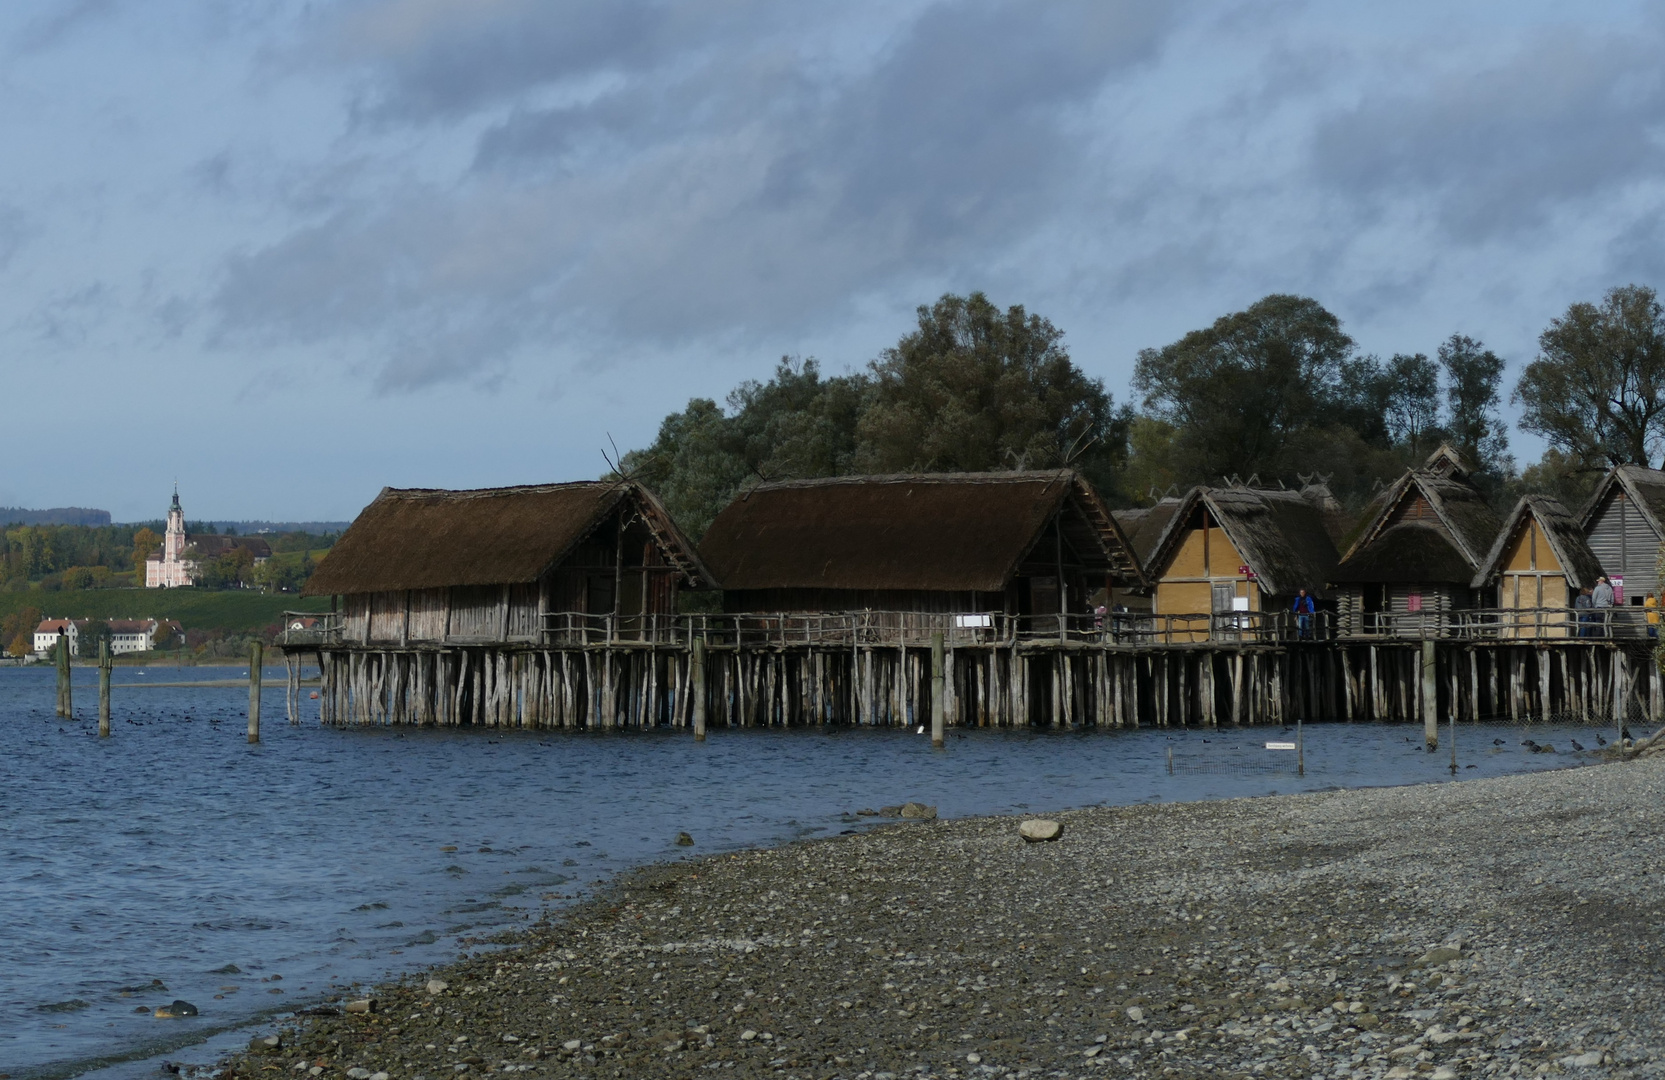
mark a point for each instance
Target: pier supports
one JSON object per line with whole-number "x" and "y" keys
{"x": 939, "y": 701}
{"x": 66, "y": 707}
{"x": 104, "y": 664}
{"x": 696, "y": 665}
{"x": 1430, "y": 698}
{"x": 257, "y": 653}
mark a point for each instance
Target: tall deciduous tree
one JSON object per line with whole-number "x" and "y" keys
{"x": 145, "y": 541}
{"x": 1473, "y": 374}
{"x": 1596, "y": 391}
{"x": 1241, "y": 394}
{"x": 974, "y": 388}
{"x": 1412, "y": 406}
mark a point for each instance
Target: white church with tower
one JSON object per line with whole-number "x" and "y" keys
{"x": 178, "y": 563}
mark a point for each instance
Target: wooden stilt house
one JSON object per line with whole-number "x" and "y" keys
{"x": 499, "y": 566}
{"x": 1415, "y": 560}
{"x": 1536, "y": 568}
{"x": 1232, "y": 560}
{"x": 1624, "y": 523}
{"x": 956, "y": 550}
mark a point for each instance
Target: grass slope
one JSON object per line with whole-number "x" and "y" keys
{"x": 195, "y": 609}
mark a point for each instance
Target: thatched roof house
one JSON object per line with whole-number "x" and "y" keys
{"x": 1539, "y": 560}
{"x": 950, "y": 542}
{"x": 1624, "y": 523}
{"x": 427, "y": 565}
{"x": 1421, "y": 548}
{"x": 1240, "y": 549}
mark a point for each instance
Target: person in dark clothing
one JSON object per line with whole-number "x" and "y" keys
{"x": 1582, "y": 606}
{"x": 1303, "y": 609}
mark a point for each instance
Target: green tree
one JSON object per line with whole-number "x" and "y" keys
{"x": 1596, "y": 391}
{"x": 18, "y": 630}
{"x": 1412, "y": 401}
{"x": 1473, "y": 374}
{"x": 1242, "y": 393}
{"x": 145, "y": 541}
{"x": 974, "y": 388}
{"x": 89, "y": 636}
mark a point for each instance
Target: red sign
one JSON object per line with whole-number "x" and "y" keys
{"x": 1245, "y": 570}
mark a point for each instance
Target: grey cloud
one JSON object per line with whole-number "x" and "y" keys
{"x": 1567, "y": 118}
{"x": 717, "y": 194}
{"x": 61, "y": 20}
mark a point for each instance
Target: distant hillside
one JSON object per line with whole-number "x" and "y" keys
{"x": 58, "y": 515}
{"x": 233, "y": 610}
{"x": 317, "y": 528}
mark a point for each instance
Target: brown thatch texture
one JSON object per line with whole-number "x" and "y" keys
{"x": 1461, "y": 513}
{"x": 1562, "y": 531}
{"x": 1409, "y": 554}
{"x": 935, "y": 532}
{"x": 419, "y": 538}
{"x": 1144, "y": 526}
{"x": 1280, "y": 534}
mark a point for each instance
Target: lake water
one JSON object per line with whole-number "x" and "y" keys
{"x": 252, "y": 879}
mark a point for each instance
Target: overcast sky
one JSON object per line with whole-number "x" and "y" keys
{"x": 289, "y": 252}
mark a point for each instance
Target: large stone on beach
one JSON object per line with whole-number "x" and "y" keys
{"x": 1442, "y": 954}
{"x": 437, "y": 986}
{"x": 1040, "y": 830}
{"x": 175, "y": 1011}
{"x": 362, "y": 1005}
{"x": 918, "y": 811}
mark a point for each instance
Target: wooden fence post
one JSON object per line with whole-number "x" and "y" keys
{"x": 104, "y": 665}
{"x": 1430, "y": 697}
{"x": 939, "y": 703}
{"x": 696, "y": 660}
{"x": 66, "y": 705}
{"x": 256, "y": 654}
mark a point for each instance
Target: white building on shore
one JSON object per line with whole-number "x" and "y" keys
{"x": 126, "y": 635}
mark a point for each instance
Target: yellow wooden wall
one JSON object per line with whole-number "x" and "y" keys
{"x": 1203, "y": 557}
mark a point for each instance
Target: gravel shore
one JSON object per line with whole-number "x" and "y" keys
{"x": 1499, "y": 927}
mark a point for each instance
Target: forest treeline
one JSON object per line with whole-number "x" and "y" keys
{"x": 1277, "y": 393}
{"x": 54, "y": 557}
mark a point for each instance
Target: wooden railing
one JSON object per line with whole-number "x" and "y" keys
{"x": 912, "y": 629}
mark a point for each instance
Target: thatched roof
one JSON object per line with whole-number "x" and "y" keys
{"x": 1143, "y": 526}
{"x": 422, "y": 538}
{"x": 1646, "y": 488}
{"x": 1461, "y": 514}
{"x": 1281, "y": 535}
{"x": 1561, "y": 529}
{"x": 943, "y": 532}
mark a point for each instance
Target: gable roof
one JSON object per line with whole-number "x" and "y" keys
{"x": 936, "y": 532}
{"x": 1561, "y": 529}
{"x": 422, "y": 538}
{"x": 1143, "y": 526}
{"x": 1469, "y": 528}
{"x": 1644, "y": 486}
{"x": 1281, "y": 535}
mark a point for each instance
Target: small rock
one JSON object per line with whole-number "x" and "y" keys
{"x": 175, "y": 1011}
{"x": 378, "y": 1076}
{"x": 362, "y": 1005}
{"x": 1040, "y": 830}
{"x": 973, "y": 1059}
{"x": 1092, "y": 1051}
{"x": 266, "y": 1042}
{"x": 1445, "y": 1072}
{"x": 748, "y": 1035}
{"x": 868, "y": 812}
{"x": 890, "y": 811}
{"x": 1368, "y": 1022}
{"x": 358, "y": 1072}
{"x": 684, "y": 840}
{"x": 919, "y": 811}
{"x": 1136, "y": 1014}
{"x": 229, "y": 969}
{"x": 438, "y": 986}
{"x": 1442, "y": 954}
{"x": 1586, "y": 1060}
{"x": 572, "y": 1044}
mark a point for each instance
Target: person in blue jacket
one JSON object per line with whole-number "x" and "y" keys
{"x": 1303, "y": 615}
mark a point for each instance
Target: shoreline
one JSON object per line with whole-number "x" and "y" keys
{"x": 1288, "y": 935}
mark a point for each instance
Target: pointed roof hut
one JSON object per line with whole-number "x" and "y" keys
{"x": 421, "y": 564}
{"x": 1422, "y": 546}
{"x": 1537, "y": 564}
{"x": 1241, "y": 548}
{"x": 919, "y": 542}
{"x": 1624, "y": 523}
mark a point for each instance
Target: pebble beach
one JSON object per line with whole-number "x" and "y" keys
{"x": 1498, "y": 927}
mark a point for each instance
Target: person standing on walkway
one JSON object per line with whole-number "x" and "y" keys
{"x": 1602, "y": 601}
{"x": 1303, "y": 615}
{"x": 1581, "y": 607}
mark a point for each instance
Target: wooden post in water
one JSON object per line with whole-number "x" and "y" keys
{"x": 66, "y": 705}
{"x": 939, "y": 704}
{"x": 256, "y": 655}
{"x": 104, "y": 664}
{"x": 696, "y": 661}
{"x": 1430, "y": 697}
